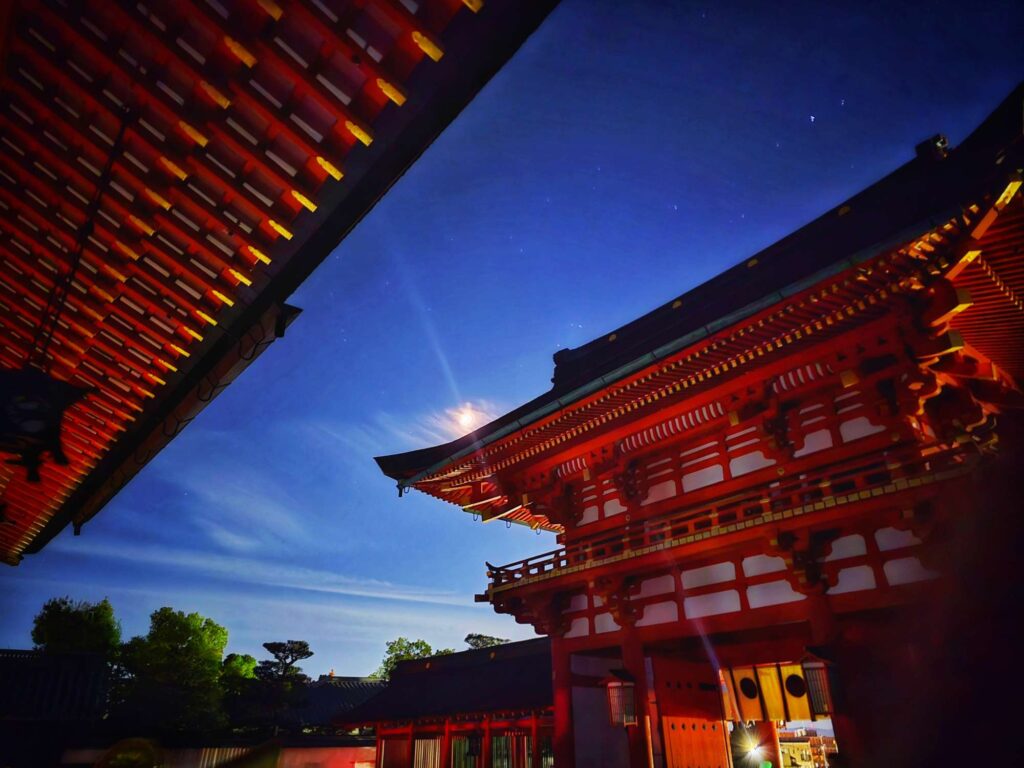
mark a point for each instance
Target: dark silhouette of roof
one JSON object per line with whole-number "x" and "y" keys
{"x": 923, "y": 193}
{"x": 330, "y": 697}
{"x": 514, "y": 676}
{"x": 38, "y": 686}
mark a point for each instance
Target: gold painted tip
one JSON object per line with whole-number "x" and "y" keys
{"x": 193, "y": 134}
{"x": 174, "y": 168}
{"x": 304, "y": 201}
{"x": 240, "y": 277}
{"x": 428, "y": 46}
{"x": 219, "y": 98}
{"x": 331, "y": 169}
{"x": 392, "y": 92}
{"x": 279, "y": 229}
{"x": 259, "y": 255}
{"x": 359, "y": 132}
{"x": 240, "y": 52}
{"x": 273, "y": 9}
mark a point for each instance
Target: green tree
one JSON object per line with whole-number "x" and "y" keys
{"x": 484, "y": 641}
{"x": 174, "y": 673}
{"x": 282, "y": 683}
{"x": 282, "y": 667}
{"x": 241, "y": 689}
{"x": 66, "y": 626}
{"x": 403, "y": 649}
{"x": 238, "y": 666}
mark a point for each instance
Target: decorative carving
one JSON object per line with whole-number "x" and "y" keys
{"x": 615, "y": 592}
{"x": 558, "y": 503}
{"x": 545, "y": 611}
{"x": 803, "y": 552}
{"x": 628, "y": 483}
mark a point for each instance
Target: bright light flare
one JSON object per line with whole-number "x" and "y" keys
{"x": 468, "y": 417}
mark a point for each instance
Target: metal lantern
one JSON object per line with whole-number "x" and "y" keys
{"x": 817, "y": 674}
{"x": 621, "y": 690}
{"x": 32, "y": 405}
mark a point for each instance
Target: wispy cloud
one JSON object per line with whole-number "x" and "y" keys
{"x": 386, "y": 432}
{"x": 227, "y": 492}
{"x": 259, "y": 571}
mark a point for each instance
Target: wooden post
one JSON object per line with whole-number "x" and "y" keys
{"x": 534, "y": 741}
{"x": 633, "y": 661}
{"x": 446, "y": 744}
{"x": 485, "y": 756}
{"x": 561, "y": 671}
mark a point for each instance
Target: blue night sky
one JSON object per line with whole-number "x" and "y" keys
{"x": 628, "y": 152}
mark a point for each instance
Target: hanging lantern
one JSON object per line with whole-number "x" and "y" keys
{"x": 32, "y": 406}
{"x": 621, "y": 689}
{"x": 817, "y": 675}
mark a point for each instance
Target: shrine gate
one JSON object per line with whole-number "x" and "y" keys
{"x": 767, "y": 492}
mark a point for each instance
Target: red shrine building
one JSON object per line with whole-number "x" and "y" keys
{"x": 170, "y": 172}
{"x": 778, "y": 497}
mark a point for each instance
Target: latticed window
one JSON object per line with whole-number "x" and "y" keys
{"x": 426, "y": 753}
{"x": 511, "y": 750}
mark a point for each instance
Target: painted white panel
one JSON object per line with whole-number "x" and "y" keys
{"x": 657, "y": 586}
{"x": 772, "y": 593}
{"x": 749, "y": 462}
{"x": 589, "y": 515}
{"x": 603, "y": 622}
{"x": 814, "y": 442}
{"x": 613, "y": 507}
{"x": 740, "y": 433}
{"x": 579, "y": 628}
{"x": 698, "y": 449}
{"x": 598, "y": 601}
{"x": 906, "y": 570}
{"x": 712, "y": 604}
{"x": 854, "y": 579}
{"x": 577, "y": 603}
{"x": 847, "y": 546}
{"x": 854, "y": 429}
{"x": 659, "y": 613}
{"x": 666, "y": 489}
{"x": 893, "y": 538}
{"x": 709, "y": 574}
{"x": 703, "y": 478}
{"x": 758, "y": 564}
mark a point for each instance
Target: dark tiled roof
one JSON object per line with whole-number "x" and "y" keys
{"x": 330, "y": 697}
{"x": 52, "y": 686}
{"x": 913, "y": 199}
{"x": 518, "y": 677}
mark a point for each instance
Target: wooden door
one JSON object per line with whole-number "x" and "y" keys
{"x": 689, "y": 701}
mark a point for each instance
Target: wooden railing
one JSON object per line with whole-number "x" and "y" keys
{"x": 719, "y": 516}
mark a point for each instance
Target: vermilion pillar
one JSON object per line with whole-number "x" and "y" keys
{"x": 633, "y": 661}
{"x": 534, "y": 742}
{"x": 561, "y": 683}
{"x": 446, "y": 744}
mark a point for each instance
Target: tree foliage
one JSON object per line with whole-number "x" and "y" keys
{"x": 484, "y": 641}
{"x": 175, "y": 672}
{"x": 66, "y": 626}
{"x": 238, "y": 666}
{"x": 286, "y": 655}
{"x": 403, "y": 649}
{"x": 282, "y": 684}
